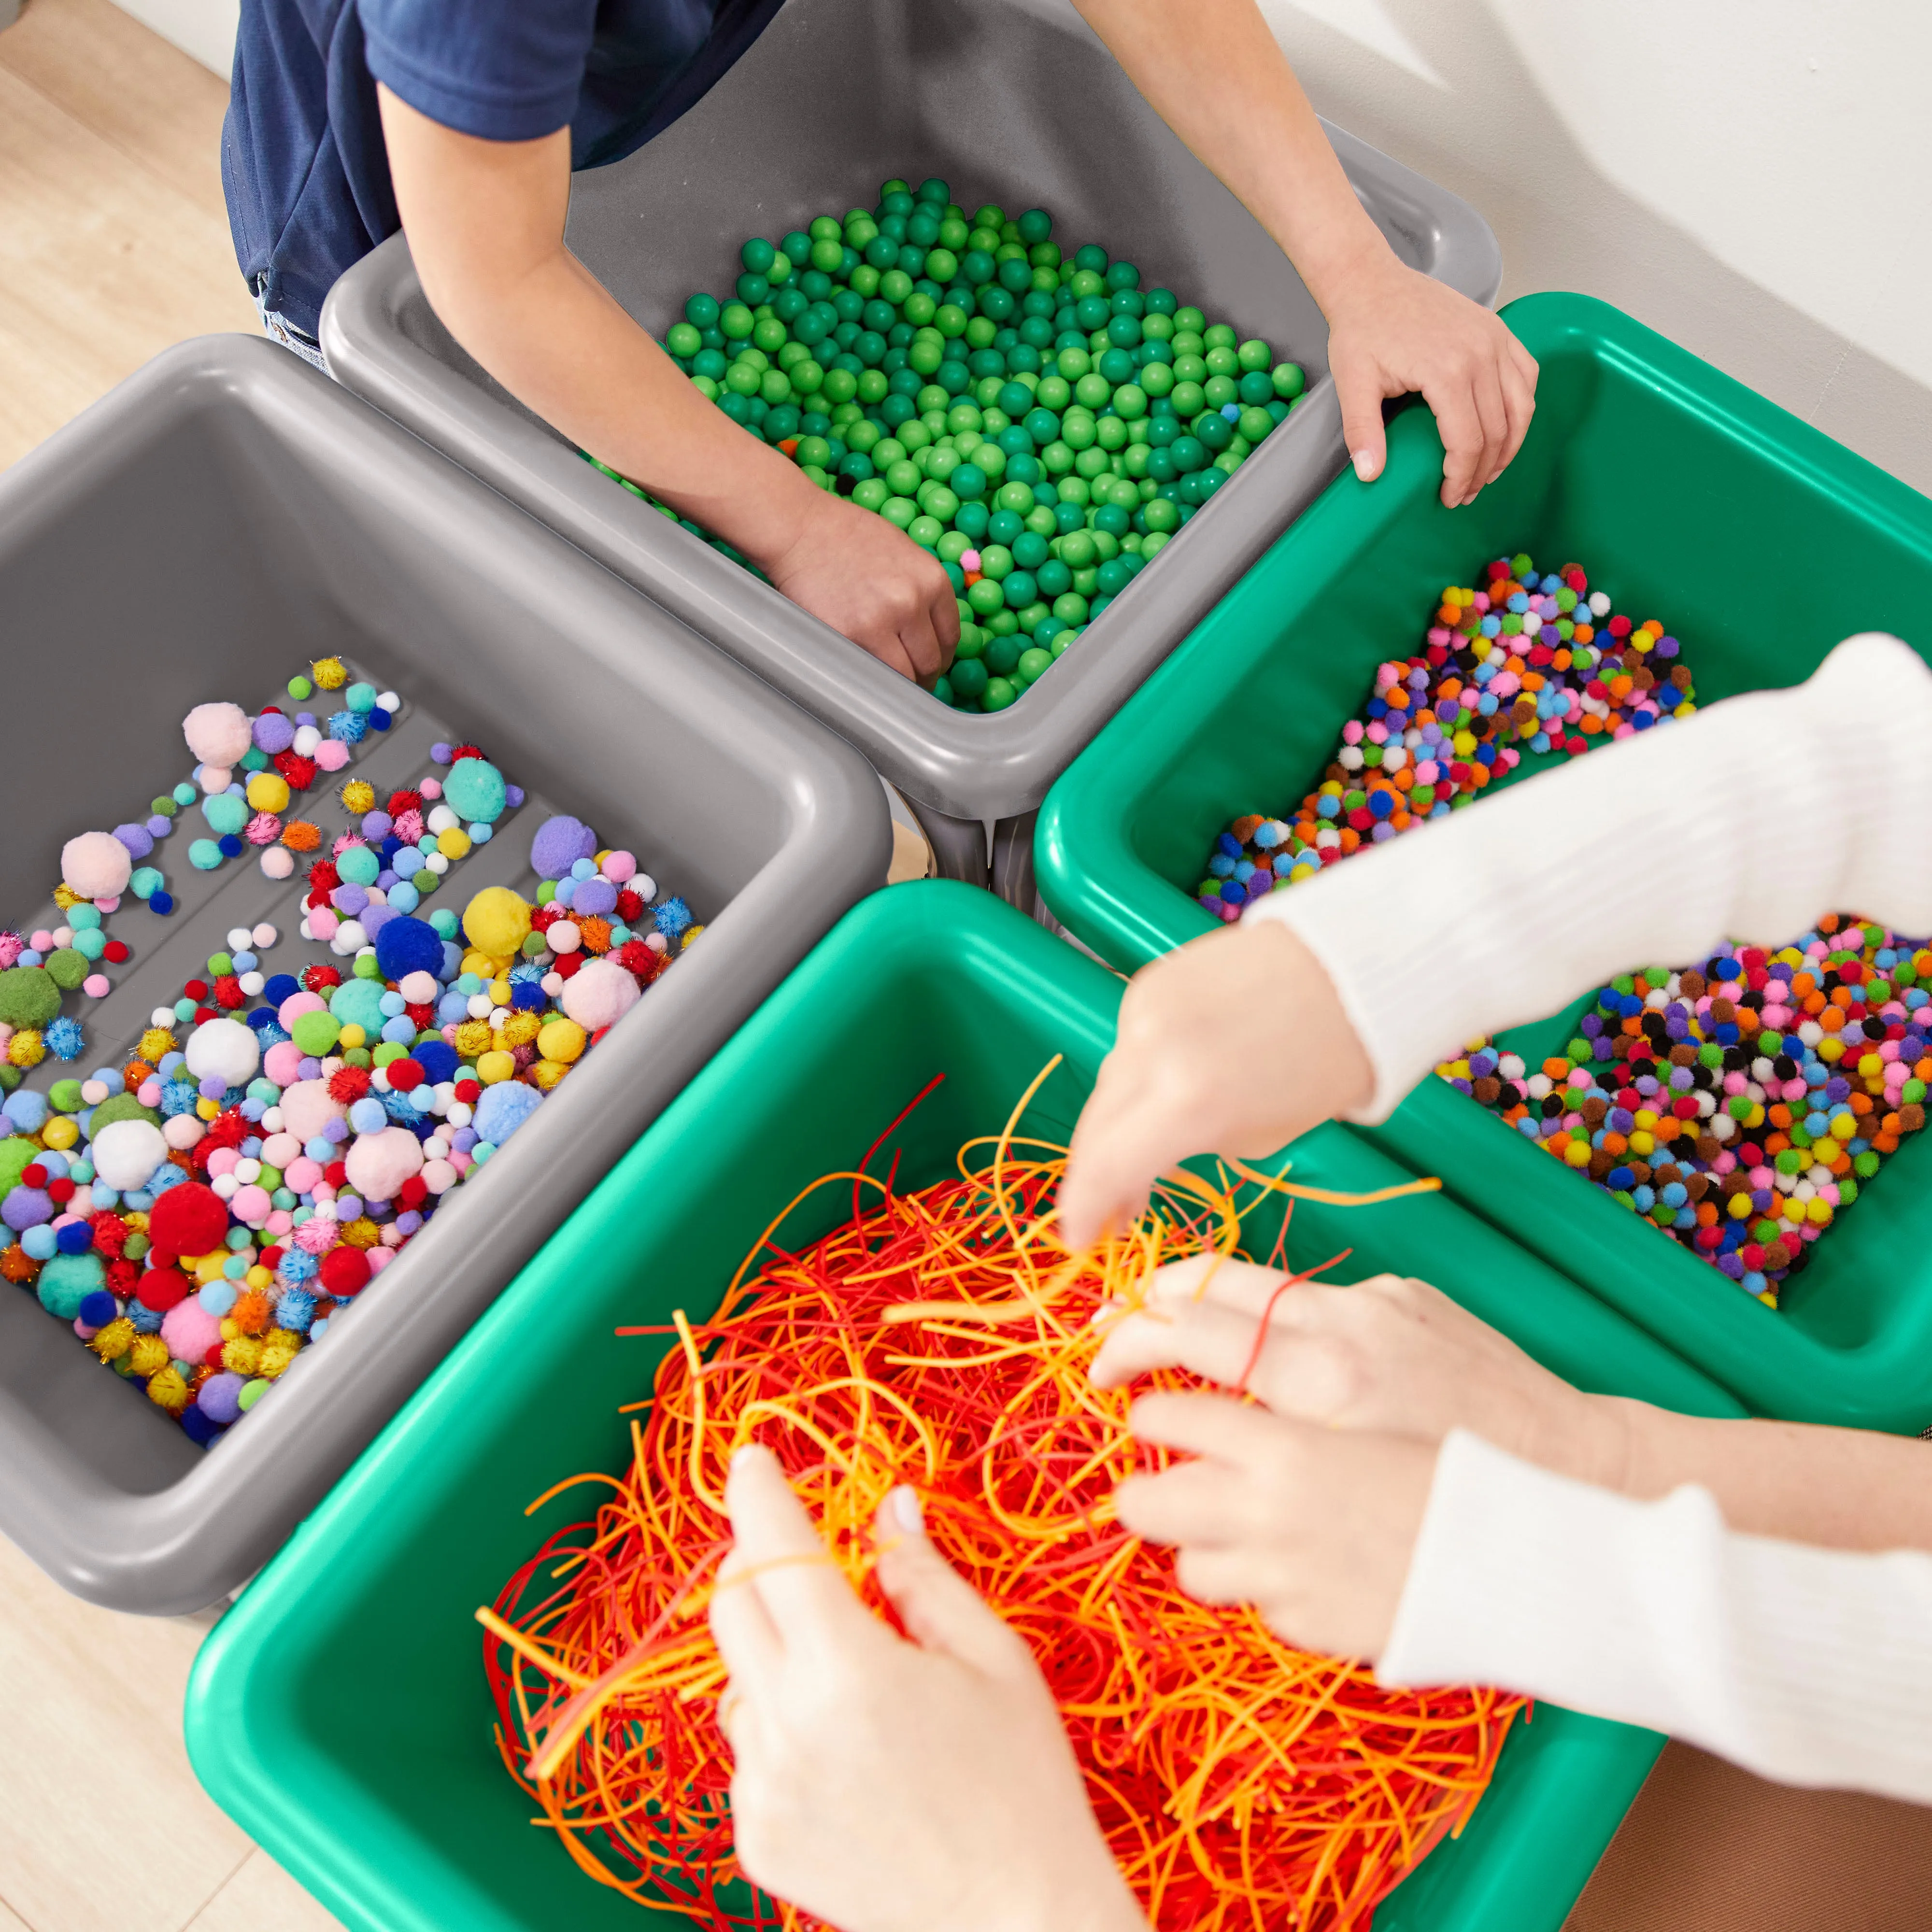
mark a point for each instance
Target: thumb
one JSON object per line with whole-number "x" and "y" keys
{"x": 1359, "y": 391}
{"x": 936, "y": 1605}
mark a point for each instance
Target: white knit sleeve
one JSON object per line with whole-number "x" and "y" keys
{"x": 1745, "y": 823}
{"x": 1807, "y": 1666}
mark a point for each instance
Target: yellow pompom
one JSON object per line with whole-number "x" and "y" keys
{"x": 154, "y": 1042}
{"x": 206, "y": 1109}
{"x": 329, "y": 673}
{"x": 60, "y": 1133}
{"x": 497, "y": 921}
{"x": 499, "y": 992}
{"x": 361, "y": 1232}
{"x": 344, "y": 1040}
{"x": 26, "y": 1048}
{"x": 210, "y": 1266}
{"x": 690, "y": 932}
{"x": 260, "y": 1278}
{"x": 268, "y": 791}
{"x": 65, "y": 896}
{"x": 453, "y": 844}
{"x": 147, "y": 1354}
{"x": 519, "y": 1029}
{"x": 116, "y": 1339}
{"x": 358, "y": 796}
{"x": 243, "y": 1354}
{"x": 545, "y": 1074}
{"x": 561, "y": 1039}
{"x": 166, "y": 1390}
{"x": 472, "y": 1037}
{"x": 279, "y": 1348}
{"x": 495, "y": 1066}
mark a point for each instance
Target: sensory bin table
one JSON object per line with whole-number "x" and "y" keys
{"x": 1010, "y": 101}
{"x": 1761, "y": 544}
{"x": 222, "y": 517}
{"x": 423, "y": 1828}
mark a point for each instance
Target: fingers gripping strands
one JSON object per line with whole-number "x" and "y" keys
{"x": 941, "y": 1337}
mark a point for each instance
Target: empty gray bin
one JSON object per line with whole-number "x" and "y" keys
{"x": 1011, "y": 101}
{"x": 224, "y": 515}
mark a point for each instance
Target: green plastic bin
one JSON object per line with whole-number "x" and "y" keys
{"x": 338, "y": 1712}
{"x": 1760, "y": 543}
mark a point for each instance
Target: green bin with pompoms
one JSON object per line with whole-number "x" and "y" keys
{"x": 1760, "y": 543}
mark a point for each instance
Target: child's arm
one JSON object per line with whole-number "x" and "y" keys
{"x": 1215, "y": 75}
{"x": 1746, "y": 822}
{"x": 485, "y": 223}
{"x": 1368, "y": 1509}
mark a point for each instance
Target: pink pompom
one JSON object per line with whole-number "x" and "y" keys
{"x": 96, "y": 865}
{"x": 308, "y": 1107}
{"x": 278, "y": 1224}
{"x": 378, "y": 1163}
{"x": 222, "y": 1160}
{"x": 264, "y": 828}
{"x": 11, "y": 947}
{"x": 331, "y": 755}
{"x": 431, "y": 788}
{"x": 599, "y": 995}
{"x": 213, "y": 778}
{"x": 323, "y": 921}
{"x": 278, "y": 1150}
{"x": 620, "y": 868}
{"x": 278, "y": 862}
{"x": 301, "y": 1174}
{"x": 149, "y": 1091}
{"x": 317, "y": 1235}
{"x": 378, "y": 1259}
{"x": 96, "y": 986}
{"x": 190, "y": 1331}
{"x": 218, "y": 734}
{"x": 112, "y": 904}
{"x": 251, "y": 1205}
{"x": 282, "y": 1062}
{"x": 408, "y": 825}
{"x": 295, "y": 1006}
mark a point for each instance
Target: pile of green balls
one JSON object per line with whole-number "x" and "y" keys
{"x": 1042, "y": 425}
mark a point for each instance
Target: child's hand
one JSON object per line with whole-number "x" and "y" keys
{"x": 1233, "y": 1044}
{"x": 868, "y": 580}
{"x": 1388, "y": 1355}
{"x": 885, "y": 1786}
{"x": 1393, "y": 329}
{"x": 1314, "y": 1527}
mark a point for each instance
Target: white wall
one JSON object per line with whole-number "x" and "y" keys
{"x": 1751, "y": 178}
{"x": 205, "y": 28}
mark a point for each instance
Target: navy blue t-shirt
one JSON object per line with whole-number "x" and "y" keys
{"x": 303, "y": 159}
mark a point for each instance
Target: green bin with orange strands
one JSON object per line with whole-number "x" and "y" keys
{"x": 1759, "y": 544}
{"x": 340, "y": 1712}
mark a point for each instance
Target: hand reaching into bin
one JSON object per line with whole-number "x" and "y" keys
{"x": 886, "y": 1784}
{"x": 485, "y": 223}
{"x": 1214, "y": 72}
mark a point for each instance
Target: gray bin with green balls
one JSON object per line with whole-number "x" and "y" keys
{"x": 1010, "y": 102}
{"x": 224, "y": 516}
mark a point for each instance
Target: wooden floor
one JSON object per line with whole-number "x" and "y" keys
{"x": 113, "y": 235}
{"x": 113, "y": 244}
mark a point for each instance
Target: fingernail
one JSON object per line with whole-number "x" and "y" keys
{"x": 1365, "y": 465}
{"x": 906, "y": 1511}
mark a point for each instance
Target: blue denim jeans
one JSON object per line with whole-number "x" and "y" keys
{"x": 288, "y": 335}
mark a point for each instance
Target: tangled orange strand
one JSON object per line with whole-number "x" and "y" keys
{"x": 942, "y": 1338}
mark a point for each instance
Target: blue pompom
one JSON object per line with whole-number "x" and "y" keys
{"x": 671, "y": 918}
{"x": 294, "y": 1309}
{"x": 503, "y": 1108}
{"x": 199, "y": 1427}
{"x": 76, "y": 1238}
{"x": 527, "y": 996}
{"x": 406, "y": 946}
{"x": 279, "y": 987}
{"x": 438, "y": 1060}
{"x": 348, "y": 727}
{"x": 98, "y": 1309}
{"x": 399, "y": 1108}
{"x": 65, "y": 1038}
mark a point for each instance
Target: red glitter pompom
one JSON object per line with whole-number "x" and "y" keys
{"x": 299, "y": 771}
{"x": 347, "y": 1085}
{"x": 320, "y": 978}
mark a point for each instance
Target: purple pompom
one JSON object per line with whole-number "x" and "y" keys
{"x": 558, "y": 844}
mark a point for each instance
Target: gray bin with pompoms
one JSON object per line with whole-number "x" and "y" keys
{"x": 1012, "y": 100}
{"x": 222, "y": 517}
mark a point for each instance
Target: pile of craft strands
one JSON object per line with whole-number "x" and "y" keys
{"x": 941, "y": 1337}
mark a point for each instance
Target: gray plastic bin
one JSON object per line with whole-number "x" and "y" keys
{"x": 223, "y": 515}
{"x": 1013, "y": 100}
